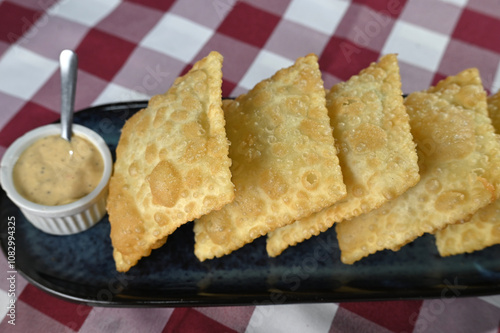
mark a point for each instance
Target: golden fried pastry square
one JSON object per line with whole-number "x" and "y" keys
{"x": 459, "y": 170}
{"x": 483, "y": 229}
{"x": 172, "y": 164}
{"x": 285, "y": 164}
{"x": 376, "y": 150}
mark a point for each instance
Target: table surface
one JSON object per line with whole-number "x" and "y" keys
{"x": 131, "y": 50}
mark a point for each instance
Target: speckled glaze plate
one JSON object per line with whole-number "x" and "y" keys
{"x": 80, "y": 267}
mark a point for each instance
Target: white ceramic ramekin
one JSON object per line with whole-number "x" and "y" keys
{"x": 65, "y": 219}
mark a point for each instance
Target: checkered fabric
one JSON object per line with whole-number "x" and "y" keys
{"x": 131, "y": 50}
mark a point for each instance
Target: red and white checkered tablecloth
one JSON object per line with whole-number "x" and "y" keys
{"x": 131, "y": 50}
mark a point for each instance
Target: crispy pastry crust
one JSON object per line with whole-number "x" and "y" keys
{"x": 285, "y": 165}
{"x": 483, "y": 229}
{"x": 459, "y": 170}
{"x": 172, "y": 164}
{"x": 376, "y": 150}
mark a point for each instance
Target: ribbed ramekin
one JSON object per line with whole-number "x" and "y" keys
{"x": 65, "y": 219}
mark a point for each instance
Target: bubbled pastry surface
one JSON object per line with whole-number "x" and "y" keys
{"x": 285, "y": 164}
{"x": 172, "y": 164}
{"x": 376, "y": 150}
{"x": 483, "y": 229}
{"x": 459, "y": 169}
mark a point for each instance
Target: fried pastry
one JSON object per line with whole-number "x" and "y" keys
{"x": 459, "y": 170}
{"x": 285, "y": 164}
{"x": 172, "y": 164}
{"x": 494, "y": 110}
{"x": 376, "y": 150}
{"x": 483, "y": 229}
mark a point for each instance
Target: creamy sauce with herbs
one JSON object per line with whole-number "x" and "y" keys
{"x": 53, "y": 171}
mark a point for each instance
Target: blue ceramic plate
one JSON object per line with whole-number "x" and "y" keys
{"x": 80, "y": 267}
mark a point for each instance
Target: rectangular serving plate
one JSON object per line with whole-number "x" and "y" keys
{"x": 80, "y": 268}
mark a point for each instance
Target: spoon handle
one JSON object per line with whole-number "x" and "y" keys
{"x": 68, "y": 62}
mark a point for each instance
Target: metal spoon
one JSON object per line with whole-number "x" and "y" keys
{"x": 68, "y": 62}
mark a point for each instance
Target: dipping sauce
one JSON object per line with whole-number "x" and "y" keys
{"x": 53, "y": 171}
